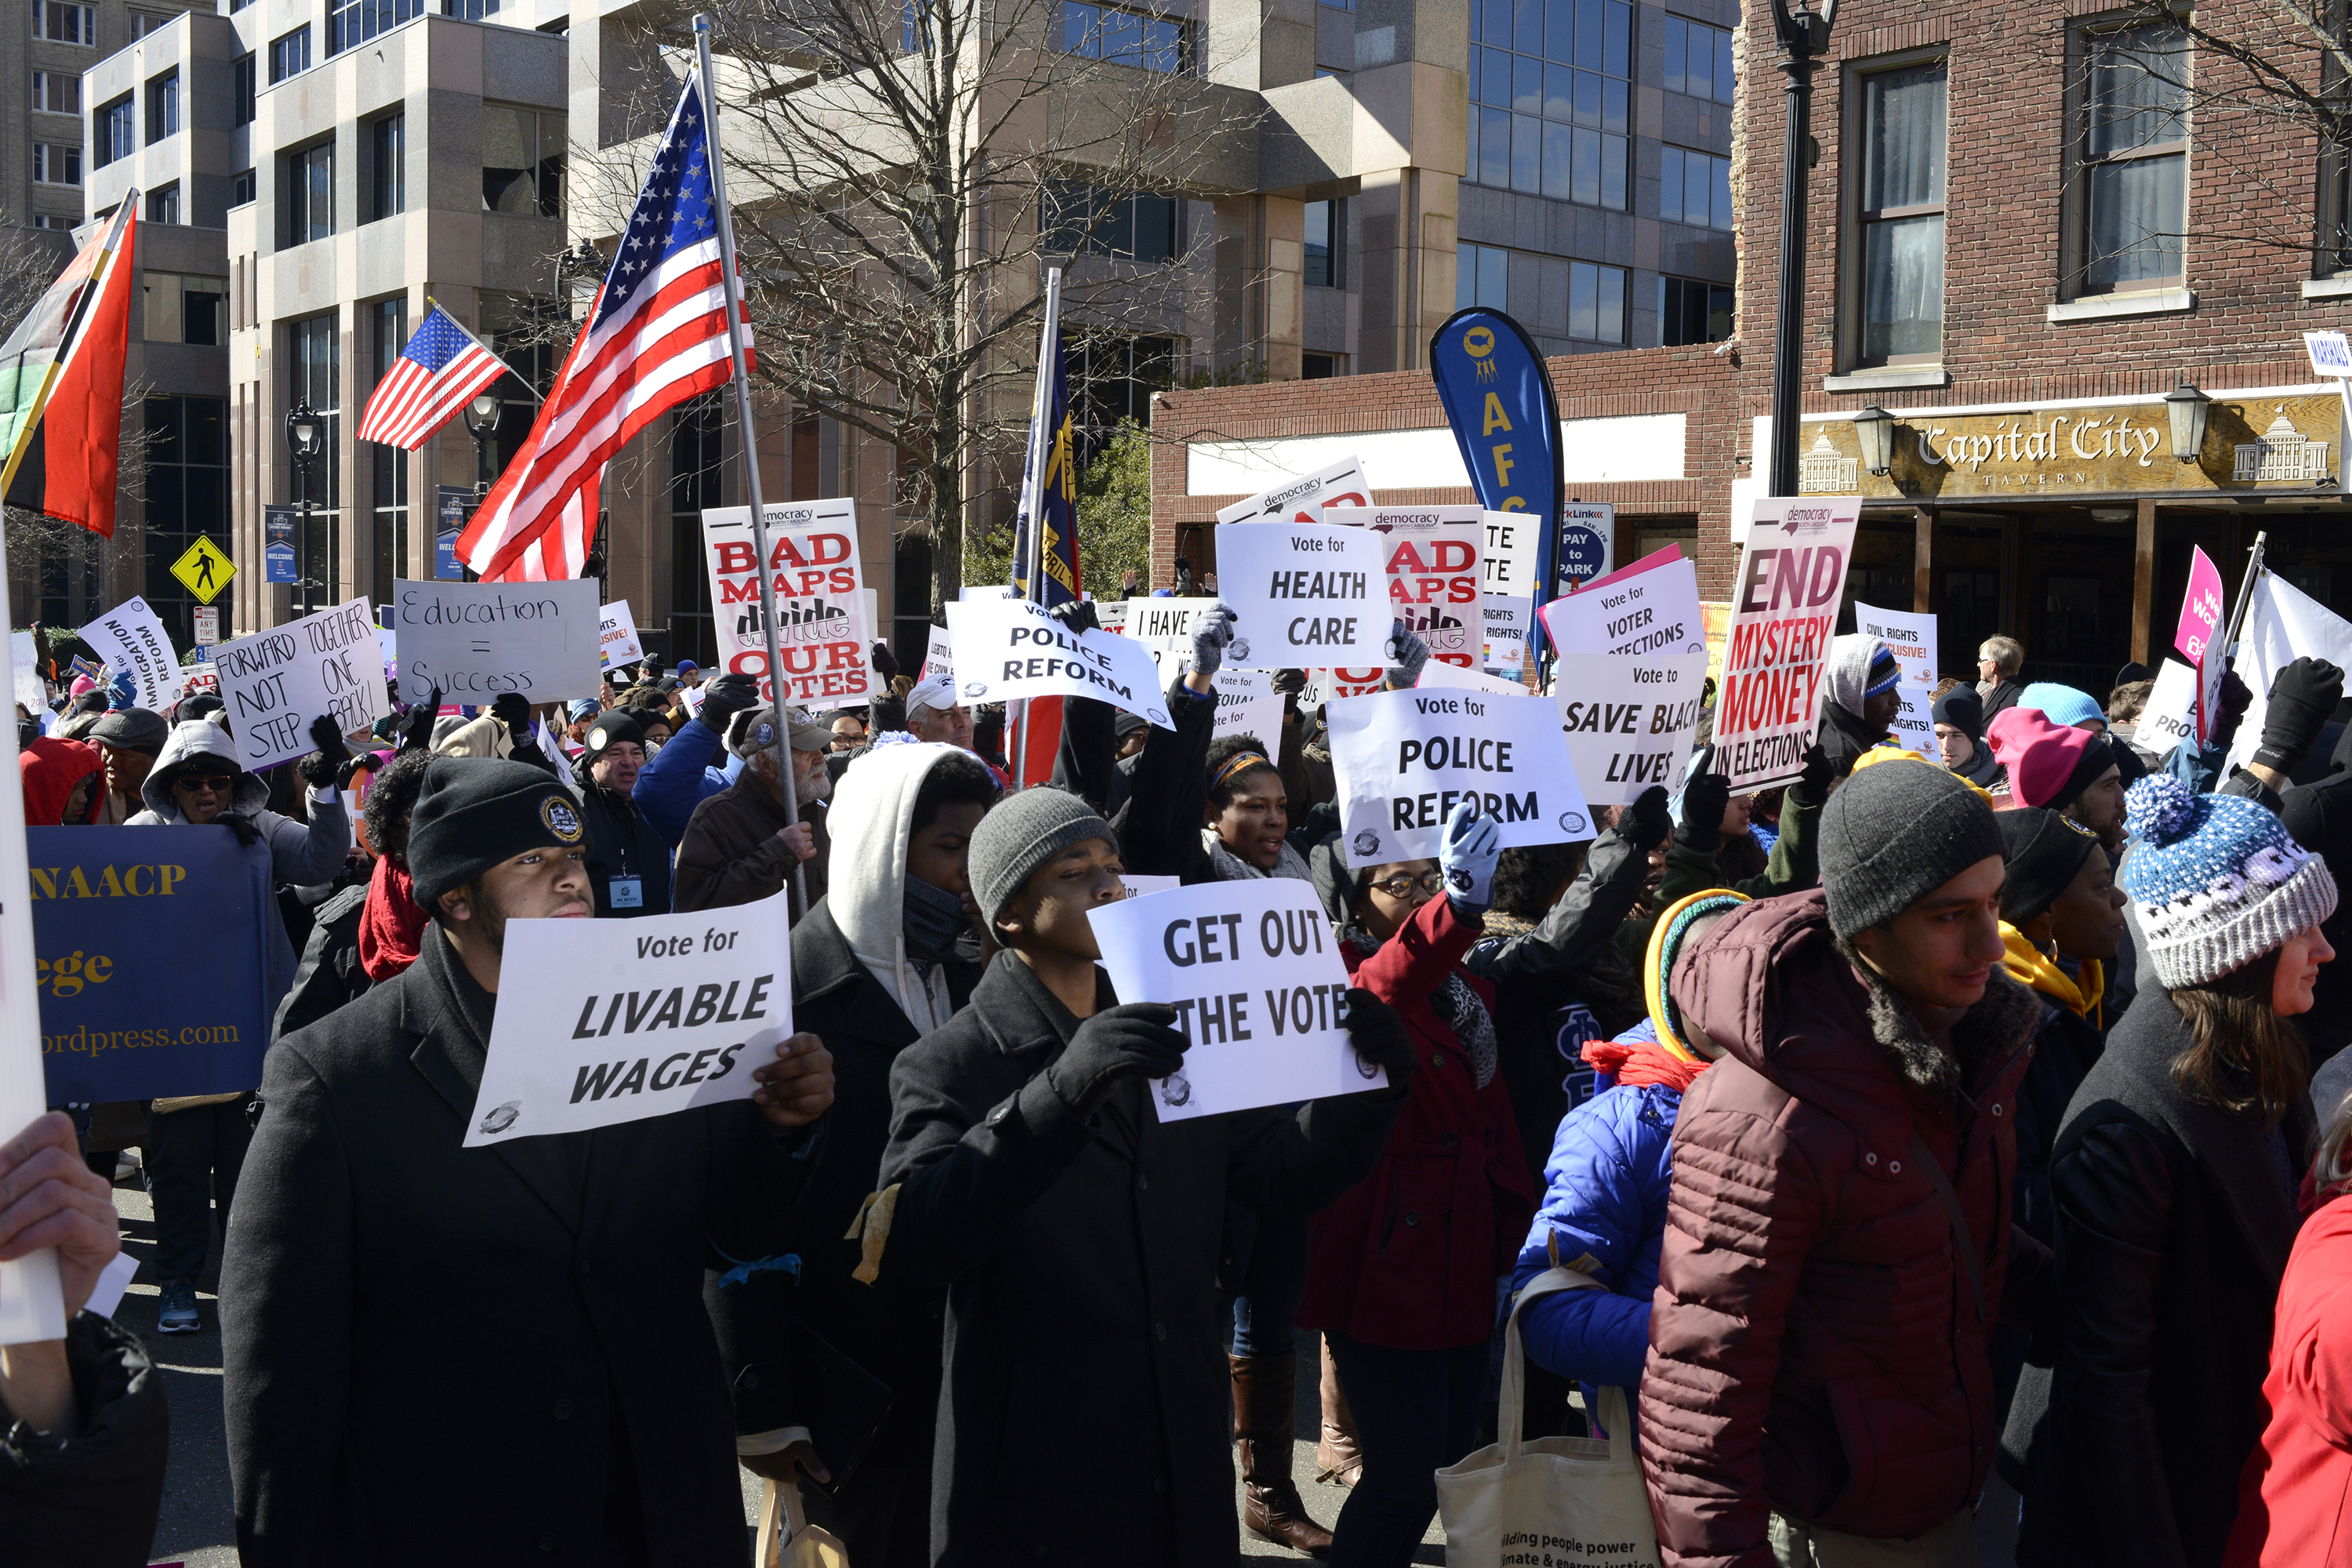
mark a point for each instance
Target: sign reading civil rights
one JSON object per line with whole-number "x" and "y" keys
{"x": 1784, "y": 613}
{"x": 1302, "y": 499}
{"x": 617, "y": 636}
{"x": 1910, "y": 636}
{"x": 601, "y": 1022}
{"x": 939, "y": 653}
{"x": 122, "y": 918}
{"x": 275, "y": 682}
{"x": 1628, "y": 720}
{"x": 1259, "y": 989}
{"x": 821, "y": 634}
{"x": 1304, "y": 594}
{"x": 131, "y": 640}
{"x": 1009, "y": 649}
{"x": 1435, "y": 575}
{"x": 1405, "y": 758}
{"x": 477, "y": 641}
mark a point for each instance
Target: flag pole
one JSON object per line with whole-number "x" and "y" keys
{"x": 2245, "y": 595}
{"x": 1028, "y": 537}
{"x": 786, "y": 784}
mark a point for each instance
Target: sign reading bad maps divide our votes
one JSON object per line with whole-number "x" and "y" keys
{"x": 821, "y": 634}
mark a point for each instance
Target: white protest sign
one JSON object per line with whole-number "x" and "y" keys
{"x": 968, "y": 593}
{"x": 1009, "y": 649}
{"x": 1111, "y": 614}
{"x": 275, "y": 682}
{"x": 1302, "y": 499}
{"x": 1435, "y": 574}
{"x": 617, "y": 636}
{"x": 1247, "y": 704}
{"x": 1783, "y": 614}
{"x": 1165, "y": 626}
{"x": 1404, "y": 758}
{"x": 1139, "y": 885}
{"x": 1259, "y": 989}
{"x": 200, "y": 678}
{"x": 1330, "y": 685}
{"x": 677, "y": 1010}
{"x": 1453, "y": 675}
{"x": 690, "y": 699}
{"x": 1508, "y": 615}
{"x": 1652, "y": 613}
{"x": 2283, "y": 624}
{"x": 1910, "y": 636}
{"x": 1630, "y": 720}
{"x": 2331, "y": 353}
{"x": 939, "y": 654}
{"x": 1510, "y": 559}
{"x": 389, "y": 640}
{"x": 25, "y": 667}
{"x": 477, "y": 641}
{"x": 821, "y": 634}
{"x": 130, "y": 638}
{"x": 2170, "y": 715}
{"x": 1304, "y": 594}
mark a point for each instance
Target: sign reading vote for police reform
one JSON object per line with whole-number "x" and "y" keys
{"x": 1303, "y": 595}
{"x": 1628, "y": 720}
{"x": 1008, "y": 649}
{"x": 1783, "y": 614}
{"x": 1405, "y": 758}
{"x": 275, "y": 682}
{"x": 477, "y": 641}
{"x": 601, "y": 1022}
{"x": 1258, "y": 986}
{"x": 131, "y": 640}
{"x": 821, "y": 633}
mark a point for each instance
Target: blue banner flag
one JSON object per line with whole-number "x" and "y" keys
{"x": 1054, "y": 536}
{"x": 148, "y": 954}
{"x": 1498, "y": 399}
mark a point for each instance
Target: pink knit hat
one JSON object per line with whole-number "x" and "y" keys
{"x": 2049, "y": 765}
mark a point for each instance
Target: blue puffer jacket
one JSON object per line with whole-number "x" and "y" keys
{"x": 678, "y": 778}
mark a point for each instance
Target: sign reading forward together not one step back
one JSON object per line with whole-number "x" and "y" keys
{"x": 274, "y": 683}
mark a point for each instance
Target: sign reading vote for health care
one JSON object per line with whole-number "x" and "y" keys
{"x": 477, "y": 641}
{"x": 1258, "y": 986}
{"x": 275, "y": 682}
{"x": 608, "y": 1021}
{"x": 1628, "y": 720}
{"x": 131, "y": 640}
{"x": 1303, "y": 595}
{"x": 1009, "y": 649}
{"x": 1404, "y": 759}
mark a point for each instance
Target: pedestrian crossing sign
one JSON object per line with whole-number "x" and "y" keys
{"x": 204, "y": 569}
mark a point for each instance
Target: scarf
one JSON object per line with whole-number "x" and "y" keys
{"x": 2029, "y": 966}
{"x": 1637, "y": 1063}
{"x": 932, "y": 919}
{"x": 391, "y": 925}
{"x": 1228, "y": 866}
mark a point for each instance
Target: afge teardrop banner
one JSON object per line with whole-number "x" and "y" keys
{"x": 1499, "y": 402}
{"x": 1405, "y": 758}
{"x": 1009, "y": 649}
{"x": 1628, "y": 720}
{"x": 821, "y": 635}
{"x": 1784, "y": 611}
{"x": 1304, "y": 594}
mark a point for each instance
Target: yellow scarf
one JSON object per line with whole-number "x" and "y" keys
{"x": 2028, "y": 966}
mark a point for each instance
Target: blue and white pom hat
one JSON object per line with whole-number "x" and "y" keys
{"x": 2217, "y": 879}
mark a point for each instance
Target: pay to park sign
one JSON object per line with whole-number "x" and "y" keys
{"x": 275, "y": 682}
{"x": 821, "y": 631}
{"x": 1404, "y": 759}
{"x": 1783, "y": 614}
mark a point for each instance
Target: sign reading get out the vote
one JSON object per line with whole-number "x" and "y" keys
{"x": 1405, "y": 758}
{"x": 1303, "y": 595}
{"x": 148, "y": 959}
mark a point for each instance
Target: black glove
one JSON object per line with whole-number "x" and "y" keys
{"x": 416, "y": 731}
{"x": 350, "y": 769}
{"x": 1135, "y": 1039}
{"x": 2303, "y": 698}
{"x": 1379, "y": 1036}
{"x": 727, "y": 696}
{"x": 1813, "y": 786}
{"x": 1077, "y": 616}
{"x": 1703, "y": 800}
{"x": 2236, "y": 698}
{"x": 318, "y": 769}
{"x": 247, "y": 831}
{"x": 886, "y": 663}
{"x": 1648, "y": 821}
{"x": 511, "y": 710}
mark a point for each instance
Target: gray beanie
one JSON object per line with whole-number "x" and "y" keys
{"x": 1893, "y": 834}
{"x": 1021, "y": 832}
{"x": 133, "y": 730}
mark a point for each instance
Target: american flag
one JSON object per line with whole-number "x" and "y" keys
{"x": 437, "y": 374}
{"x": 656, "y": 336}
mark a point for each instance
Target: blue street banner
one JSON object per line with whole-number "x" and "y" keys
{"x": 1499, "y": 402}
{"x": 148, "y": 957}
{"x": 449, "y": 521}
{"x": 278, "y": 525}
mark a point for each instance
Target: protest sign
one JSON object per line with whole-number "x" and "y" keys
{"x": 1140, "y": 886}
{"x": 1628, "y": 720}
{"x": 1436, "y": 579}
{"x": 122, "y": 917}
{"x": 690, "y": 699}
{"x": 1507, "y": 617}
{"x": 1247, "y": 704}
{"x": 2201, "y": 612}
{"x": 1784, "y": 614}
{"x": 1259, "y": 989}
{"x": 1302, "y": 499}
{"x": 1651, "y": 612}
{"x": 1434, "y": 674}
{"x": 2169, "y": 716}
{"x": 131, "y": 640}
{"x": 25, "y": 669}
{"x": 275, "y": 682}
{"x": 939, "y": 654}
{"x": 821, "y": 634}
{"x": 1404, "y": 758}
{"x": 1330, "y": 685}
{"x": 1304, "y": 594}
{"x": 477, "y": 641}
{"x": 1718, "y": 634}
{"x": 1111, "y": 614}
{"x": 1009, "y": 649}
{"x": 618, "y": 631}
{"x": 197, "y": 677}
{"x": 677, "y": 1010}
{"x": 32, "y": 1304}
{"x": 1911, "y": 638}
{"x": 2282, "y": 625}
{"x": 1165, "y": 626}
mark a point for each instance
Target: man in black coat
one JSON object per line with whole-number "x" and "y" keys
{"x": 1078, "y": 1237}
{"x": 629, "y": 860}
{"x": 436, "y": 1354}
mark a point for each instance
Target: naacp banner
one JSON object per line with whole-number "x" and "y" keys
{"x": 1404, "y": 759}
{"x": 1009, "y": 649}
{"x": 1304, "y": 594}
{"x": 821, "y": 634}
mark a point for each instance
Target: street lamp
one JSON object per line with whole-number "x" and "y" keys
{"x": 482, "y": 422}
{"x": 2187, "y": 409}
{"x": 306, "y": 437}
{"x": 1874, "y": 431}
{"x": 1804, "y": 38}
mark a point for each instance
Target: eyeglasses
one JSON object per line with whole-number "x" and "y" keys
{"x": 1402, "y": 887}
{"x": 191, "y": 782}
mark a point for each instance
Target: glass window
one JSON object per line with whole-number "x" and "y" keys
{"x": 290, "y": 54}
{"x": 2135, "y": 142}
{"x": 163, "y": 205}
{"x": 1326, "y": 232}
{"x": 309, "y": 194}
{"x": 523, "y": 160}
{"x": 162, "y": 107}
{"x": 314, "y": 375}
{"x": 57, "y": 22}
{"x": 1541, "y": 62}
{"x": 1123, "y": 37}
{"x": 1693, "y": 312}
{"x": 1901, "y": 214}
{"x": 57, "y": 92}
{"x": 471, "y": 10}
{"x": 1596, "y": 302}
{"x": 203, "y": 310}
{"x": 353, "y": 22}
{"x": 241, "y": 89}
{"x": 1693, "y": 188}
{"x": 187, "y": 460}
{"x": 114, "y": 133}
{"x": 386, "y": 322}
{"x": 388, "y": 166}
{"x": 241, "y": 188}
{"x": 1482, "y": 276}
{"x": 1698, "y": 60}
{"x": 55, "y": 165}
{"x": 1083, "y": 219}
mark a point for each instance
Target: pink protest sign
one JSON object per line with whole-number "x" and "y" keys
{"x": 2201, "y": 612}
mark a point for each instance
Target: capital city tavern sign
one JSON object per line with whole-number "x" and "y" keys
{"x": 2290, "y": 442}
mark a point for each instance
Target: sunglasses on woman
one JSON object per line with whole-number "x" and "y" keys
{"x": 189, "y": 783}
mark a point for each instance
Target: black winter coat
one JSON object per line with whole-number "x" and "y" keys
{"x": 2142, "y": 1396}
{"x": 2319, "y": 814}
{"x": 88, "y": 1499}
{"x": 623, "y": 843}
{"x": 1086, "y": 1383}
{"x": 330, "y": 973}
{"x": 438, "y": 1354}
{"x": 1844, "y": 737}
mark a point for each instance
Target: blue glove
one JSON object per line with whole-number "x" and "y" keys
{"x": 1407, "y": 653}
{"x": 1472, "y": 844}
{"x": 1212, "y": 629}
{"x": 121, "y": 692}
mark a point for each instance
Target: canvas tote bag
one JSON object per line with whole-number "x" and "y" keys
{"x": 1569, "y": 1502}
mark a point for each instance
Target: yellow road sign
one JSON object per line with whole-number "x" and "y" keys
{"x": 204, "y": 569}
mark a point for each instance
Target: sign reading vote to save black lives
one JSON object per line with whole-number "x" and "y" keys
{"x": 1405, "y": 759}
{"x": 148, "y": 959}
{"x": 477, "y": 641}
{"x": 1008, "y": 649}
{"x": 1303, "y": 595}
{"x": 1628, "y": 720}
{"x": 1258, "y": 986}
{"x": 601, "y": 1022}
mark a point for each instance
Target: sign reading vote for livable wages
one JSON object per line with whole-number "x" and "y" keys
{"x": 1303, "y": 595}
{"x": 1009, "y": 649}
{"x": 1405, "y": 758}
{"x": 477, "y": 641}
{"x": 1630, "y": 720}
{"x": 275, "y": 682}
{"x": 1784, "y": 613}
{"x": 1434, "y": 572}
{"x": 821, "y": 635}
{"x": 1259, "y": 989}
{"x": 607, "y": 1021}
{"x": 131, "y": 640}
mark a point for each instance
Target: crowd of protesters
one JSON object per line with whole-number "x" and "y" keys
{"x": 1951, "y": 1146}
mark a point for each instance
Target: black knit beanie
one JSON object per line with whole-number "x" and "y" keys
{"x": 2096, "y": 759}
{"x": 473, "y": 813}
{"x": 2045, "y": 851}
{"x": 1894, "y": 833}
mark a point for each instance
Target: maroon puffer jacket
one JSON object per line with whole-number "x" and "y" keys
{"x": 1814, "y": 1347}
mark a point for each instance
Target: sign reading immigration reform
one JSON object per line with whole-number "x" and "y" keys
{"x": 1783, "y": 614}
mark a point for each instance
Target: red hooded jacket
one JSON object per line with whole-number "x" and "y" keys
{"x": 2291, "y": 1504}
{"x": 52, "y": 767}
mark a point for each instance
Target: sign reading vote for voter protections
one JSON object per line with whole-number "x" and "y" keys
{"x": 601, "y": 1022}
{"x": 1628, "y": 720}
{"x": 131, "y": 640}
{"x": 1258, "y": 986}
{"x": 1405, "y": 758}
{"x": 823, "y": 633}
{"x": 1649, "y": 609}
{"x": 1303, "y": 595}
{"x": 1009, "y": 649}
{"x": 148, "y": 961}
{"x": 275, "y": 682}
{"x": 477, "y": 641}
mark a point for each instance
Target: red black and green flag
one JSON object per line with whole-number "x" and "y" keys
{"x": 61, "y": 384}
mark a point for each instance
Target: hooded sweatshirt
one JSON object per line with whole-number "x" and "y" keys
{"x": 868, "y": 893}
{"x": 51, "y": 768}
{"x": 1845, "y": 678}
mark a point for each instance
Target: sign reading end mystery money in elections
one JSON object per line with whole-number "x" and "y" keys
{"x": 1303, "y": 595}
{"x": 275, "y": 682}
{"x": 1258, "y": 986}
{"x": 1009, "y": 649}
{"x": 603, "y": 1022}
{"x": 1404, "y": 759}
{"x": 1784, "y": 613}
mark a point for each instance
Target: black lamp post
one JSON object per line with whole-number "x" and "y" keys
{"x": 482, "y": 422}
{"x": 305, "y": 438}
{"x": 2187, "y": 410}
{"x": 1804, "y": 38}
